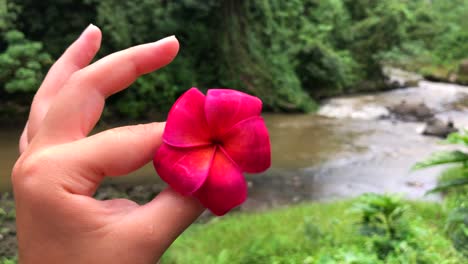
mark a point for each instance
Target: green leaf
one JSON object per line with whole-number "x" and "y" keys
{"x": 439, "y": 158}
{"x": 458, "y": 138}
{"x": 449, "y": 185}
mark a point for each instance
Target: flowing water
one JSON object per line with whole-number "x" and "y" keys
{"x": 349, "y": 147}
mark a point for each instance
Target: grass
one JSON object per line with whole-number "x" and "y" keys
{"x": 311, "y": 233}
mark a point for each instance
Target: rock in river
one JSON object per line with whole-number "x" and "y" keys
{"x": 411, "y": 112}
{"x": 438, "y": 128}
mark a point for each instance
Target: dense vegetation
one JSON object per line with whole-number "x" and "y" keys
{"x": 372, "y": 229}
{"x": 286, "y": 52}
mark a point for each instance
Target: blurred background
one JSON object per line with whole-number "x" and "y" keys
{"x": 360, "y": 96}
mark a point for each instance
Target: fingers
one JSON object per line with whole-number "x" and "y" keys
{"x": 159, "y": 222}
{"x": 113, "y": 152}
{"x": 77, "y": 56}
{"x": 79, "y": 104}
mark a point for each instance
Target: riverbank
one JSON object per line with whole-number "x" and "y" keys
{"x": 455, "y": 72}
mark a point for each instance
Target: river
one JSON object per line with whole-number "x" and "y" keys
{"x": 349, "y": 147}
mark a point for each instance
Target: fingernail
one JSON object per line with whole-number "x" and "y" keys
{"x": 168, "y": 38}
{"x": 87, "y": 29}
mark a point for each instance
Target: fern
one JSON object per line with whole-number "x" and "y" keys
{"x": 449, "y": 185}
{"x": 444, "y": 157}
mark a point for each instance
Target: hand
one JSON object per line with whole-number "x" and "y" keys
{"x": 60, "y": 167}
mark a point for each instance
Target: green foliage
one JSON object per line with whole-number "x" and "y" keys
{"x": 457, "y": 229}
{"x": 456, "y": 202}
{"x": 454, "y": 182}
{"x": 316, "y": 233}
{"x": 285, "y": 52}
{"x": 458, "y": 138}
{"x": 379, "y": 26}
{"x": 442, "y": 157}
{"x": 391, "y": 234}
{"x": 380, "y": 215}
{"x": 437, "y": 41}
{"x": 8, "y": 15}
{"x": 288, "y": 53}
{"x": 22, "y": 63}
{"x": 56, "y": 24}
{"x": 450, "y": 184}
{"x": 449, "y": 157}
{"x": 4, "y": 260}
{"x": 258, "y": 55}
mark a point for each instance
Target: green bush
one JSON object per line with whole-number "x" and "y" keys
{"x": 382, "y": 220}
{"x": 22, "y": 63}
{"x": 457, "y": 228}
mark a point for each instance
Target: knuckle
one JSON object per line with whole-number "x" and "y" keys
{"x": 78, "y": 78}
{"x": 16, "y": 173}
{"x": 27, "y": 172}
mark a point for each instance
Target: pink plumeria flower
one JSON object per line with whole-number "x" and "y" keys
{"x": 208, "y": 142}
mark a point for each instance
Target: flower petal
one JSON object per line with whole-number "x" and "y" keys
{"x": 186, "y": 124}
{"x": 225, "y": 187}
{"x": 185, "y": 170}
{"x": 224, "y": 108}
{"x": 248, "y": 145}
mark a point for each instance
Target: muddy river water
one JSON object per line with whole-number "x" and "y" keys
{"x": 349, "y": 147}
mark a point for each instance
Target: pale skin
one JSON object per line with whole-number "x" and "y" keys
{"x": 61, "y": 166}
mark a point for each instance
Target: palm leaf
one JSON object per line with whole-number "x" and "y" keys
{"x": 443, "y": 157}
{"x": 449, "y": 184}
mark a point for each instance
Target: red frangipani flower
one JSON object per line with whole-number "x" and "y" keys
{"x": 208, "y": 142}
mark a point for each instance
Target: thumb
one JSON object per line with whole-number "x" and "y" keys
{"x": 114, "y": 152}
{"x": 158, "y": 223}
{"x": 119, "y": 151}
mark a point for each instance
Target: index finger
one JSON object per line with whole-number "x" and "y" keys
{"x": 77, "y": 56}
{"x": 79, "y": 104}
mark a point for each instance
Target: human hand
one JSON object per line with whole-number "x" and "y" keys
{"x": 61, "y": 167}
